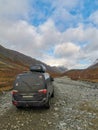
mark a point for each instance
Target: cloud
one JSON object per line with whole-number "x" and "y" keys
{"x": 69, "y": 50}
{"x": 68, "y": 62}
{"x": 65, "y": 4}
{"x": 14, "y": 9}
{"x": 24, "y": 38}
{"x": 58, "y": 38}
{"x": 28, "y": 39}
{"x": 49, "y": 33}
{"x": 48, "y": 44}
{"x": 53, "y": 61}
{"x": 94, "y": 18}
{"x": 66, "y": 14}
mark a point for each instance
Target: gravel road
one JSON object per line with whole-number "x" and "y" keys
{"x": 74, "y": 107}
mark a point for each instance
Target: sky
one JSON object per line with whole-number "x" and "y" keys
{"x": 56, "y": 32}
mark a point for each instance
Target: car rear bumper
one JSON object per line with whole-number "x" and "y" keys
{"x": 30, "y": 103}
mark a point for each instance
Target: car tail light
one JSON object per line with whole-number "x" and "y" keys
{"x": 44, "y": 91}
{"x": 14, "y": 92}
{"x": 15, "y": 103}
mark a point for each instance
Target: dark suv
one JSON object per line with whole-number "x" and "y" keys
{"x": 33, "y": 88}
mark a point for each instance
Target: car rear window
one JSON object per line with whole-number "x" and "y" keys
{"x": 29, "y": 82}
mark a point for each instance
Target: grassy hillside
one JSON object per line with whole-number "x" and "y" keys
{"x": 89, "y": 74}
{"x": 13, "y": 63}
{"x": 8, "y": 71}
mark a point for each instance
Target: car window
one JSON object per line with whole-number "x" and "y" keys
{"x": 29, "y": 82}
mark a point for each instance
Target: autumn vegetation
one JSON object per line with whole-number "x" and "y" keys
{"x": 89, "y": 74}
{"x": 13, "y": 63}
{"x": 8, "y": 73}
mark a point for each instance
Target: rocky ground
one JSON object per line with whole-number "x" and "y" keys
{"x": 74, "y": 107}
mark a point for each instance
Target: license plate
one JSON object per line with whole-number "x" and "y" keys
{"x": 27, "y": 96}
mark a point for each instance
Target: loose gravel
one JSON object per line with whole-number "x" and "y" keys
{"x": 74, "y": 107}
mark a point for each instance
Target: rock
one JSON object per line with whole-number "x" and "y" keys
{"x": 56, "y": 108}
{"x": 22, "y": 124}
{"x": 49, "y": 123}
{"x": 75, "y": 107}
{"x": 56, "y": 115}
{"x": 15, "y": 127}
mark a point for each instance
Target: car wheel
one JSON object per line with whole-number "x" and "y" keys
{"x": 47, "y": 105}
{"x": 52, "y": 94}
{"x": 18, "y": 107}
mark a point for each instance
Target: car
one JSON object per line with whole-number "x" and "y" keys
{"x": 33, "y": 88}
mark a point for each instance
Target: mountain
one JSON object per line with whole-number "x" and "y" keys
{"x": 62, "y": 68}
{"x": 94, "y": 65}
{"x": 88, "y": 74}
{"x": 7, "y": 55}
{"x": 13, "y": 63}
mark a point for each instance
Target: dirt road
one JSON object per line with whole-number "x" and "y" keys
{"x": 74, "y": 107}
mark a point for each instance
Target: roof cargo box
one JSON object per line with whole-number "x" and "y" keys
{"x": 38, "y": 68}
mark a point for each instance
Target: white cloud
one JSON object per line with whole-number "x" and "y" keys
{"x": 94, "y": 17}
{"x": 29, "y": 39}
{"x": 14, "y": 9}
{"x": 70, "y": 63}
{"x": 75, "y": 34}
{"x": 21, "y": 35}
{"x": 69, "y": 50}
{"x": 38, "y": 41}
{"x": 67, "y": 4}
{"x": 49, "y": 33}
{"x": 62, "y": 14}
{"x": 53, "y": 61}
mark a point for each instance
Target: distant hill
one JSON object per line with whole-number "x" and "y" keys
{"x": 88, "y": 74}
{"x": 62, "y": 69}
{"x": 94, "y": 65}
{"x": 13, "y": 63}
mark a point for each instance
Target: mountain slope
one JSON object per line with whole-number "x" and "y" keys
{"x": 94, "y": 65}
{"x": 89, "y": 74}
{"x": 13, "y": 63}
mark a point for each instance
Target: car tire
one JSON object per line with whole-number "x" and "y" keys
{"x": 18, "y": 107}
{"x": 52, "y": 94}
{"x": 47, "y": 105}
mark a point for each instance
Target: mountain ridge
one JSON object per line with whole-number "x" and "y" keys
{"x": 88, "y": 74}
{"x": 94, "y": 65}
{"x": 13, "y": 63}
